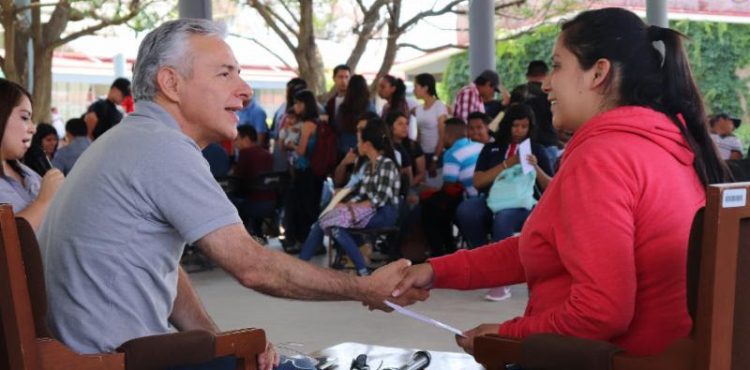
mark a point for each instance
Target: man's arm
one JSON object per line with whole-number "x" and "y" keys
{"x": 278, "y": 274}
{"x": 188, "y": 312}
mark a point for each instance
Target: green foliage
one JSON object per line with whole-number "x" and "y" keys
{"x": 717, "y": 51}
{"x": 512, "y": 58}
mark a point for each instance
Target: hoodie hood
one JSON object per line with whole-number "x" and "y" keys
{"x": 644, "y": 122}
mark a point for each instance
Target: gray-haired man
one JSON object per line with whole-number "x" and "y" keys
{"x": 114, "y": 234}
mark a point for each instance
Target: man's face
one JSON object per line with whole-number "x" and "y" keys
{"x": 487, "y": 91}
{"x": 210, "y": 98}
{"x": 478, "y": 131}
{"x": 341, "y": 80}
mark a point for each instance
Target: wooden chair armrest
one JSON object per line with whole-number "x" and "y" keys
{"x": 244, "y": 344}
{"x": 156, "y": 352}
{"x": 494, "y": 351}
{"x": 54, "y": 355}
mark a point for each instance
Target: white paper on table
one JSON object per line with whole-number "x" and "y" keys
{"x": 423, "y": 318}
{"x": 524, "y": 149}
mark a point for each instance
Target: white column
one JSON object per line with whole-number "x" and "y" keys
{"x": 195, "y": 9}
{"x": 656, "y": 13}
{"x": 481, "y": 36}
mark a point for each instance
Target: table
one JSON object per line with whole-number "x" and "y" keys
{"x": 393, "y": 357}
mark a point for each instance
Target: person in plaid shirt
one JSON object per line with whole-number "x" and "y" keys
{"x": 469, "y": 98}
{"x": 375, "y": 200}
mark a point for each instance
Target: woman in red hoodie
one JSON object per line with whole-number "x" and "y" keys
{"x": 604, "y": 251}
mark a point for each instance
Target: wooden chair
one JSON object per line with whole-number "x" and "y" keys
{"x": 26, "y": 344}
{"x": 718, "y": 301}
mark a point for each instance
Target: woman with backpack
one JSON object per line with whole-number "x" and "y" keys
{"x": 303, "y": 203}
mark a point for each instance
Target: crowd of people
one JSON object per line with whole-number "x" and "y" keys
{"x": 596, "y": 224}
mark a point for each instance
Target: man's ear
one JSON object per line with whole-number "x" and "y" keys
{"x": 169, "y": 82}
{"x": 602, "y": 73}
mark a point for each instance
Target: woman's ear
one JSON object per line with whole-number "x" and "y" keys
{"x": 168, "y": 82}
{"x": 602, "y": 70}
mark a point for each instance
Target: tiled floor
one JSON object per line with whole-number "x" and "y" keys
{"x": 309, "y": 326}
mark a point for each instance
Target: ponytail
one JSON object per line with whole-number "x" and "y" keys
{"x": 646, "y": 78}
{"x": 682, "y": 100}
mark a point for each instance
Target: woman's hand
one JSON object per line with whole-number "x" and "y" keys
{"x": 51, "y": 182}
{"x": 467, "y": 341}
{"x": 349, "y": 158}
{"x": 531, "y": 159}
{"x": 512, "y": 161}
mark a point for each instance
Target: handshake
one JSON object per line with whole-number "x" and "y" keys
{"x": 398, "y": 282}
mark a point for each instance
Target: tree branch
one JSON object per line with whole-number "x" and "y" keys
{"x": 135, "y": 8}
{"x": 498, "y": 6}
{"x": 20, "y": 9}
{"x": 275, "y": 55}
{"x": 286, "y": 7}
{"x": 266, "y": 15}
{"x": 428, "y": 13}
{"x": 430, "y": 50}
{"x": 275, "y": 17}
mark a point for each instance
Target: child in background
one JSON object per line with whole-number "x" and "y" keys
{"x": 290, "y": 134}
{"x": 722, "y": 133}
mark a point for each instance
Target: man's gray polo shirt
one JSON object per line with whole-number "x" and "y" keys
{"x": 114, "y": 234}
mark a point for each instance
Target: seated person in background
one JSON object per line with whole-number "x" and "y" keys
{"x": 254, "y": 115}
{"x": 473, "y": 216}
{"x": 218, "y": 160}
{"x": 374, "y": 202}
{"x": 43, "y": 148}
{"x": 252, "y": 161}
{"x": 438, "y": 208}
{"x": 77, "y": 142}
{"x": 103, "y": 114}
{"x": 605, "y": 250}
{"x": 112, "y": 242}
{"x": 413, "y": 162}
{"x": 20, "y": 186}
{"x": 723, "y": 126}
{"x": 478, "y": 129}
{"x": 350, "y": 170}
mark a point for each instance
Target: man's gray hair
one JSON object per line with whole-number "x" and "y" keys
{"x": 165, "y": 46}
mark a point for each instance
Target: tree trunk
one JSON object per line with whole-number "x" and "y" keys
{"x": 9, "y": 62}
{"x": 42, "y": 85}
{"x": 309, "y": 60}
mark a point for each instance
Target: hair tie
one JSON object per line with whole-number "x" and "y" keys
{"x": 656, "y": 33}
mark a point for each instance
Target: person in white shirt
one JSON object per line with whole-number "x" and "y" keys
{"x": 722, "y": 132}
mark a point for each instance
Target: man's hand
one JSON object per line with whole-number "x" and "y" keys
{"x": 467, "y": 343}
{"x": 269, "y": 359}
{"x": 381, "y": 285}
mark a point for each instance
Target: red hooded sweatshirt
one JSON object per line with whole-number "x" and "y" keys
{"x": 604, "y": 253}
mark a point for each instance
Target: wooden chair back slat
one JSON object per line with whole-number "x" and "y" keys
{"x": 15, "y": 306}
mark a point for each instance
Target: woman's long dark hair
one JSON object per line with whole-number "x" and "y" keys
{"x": 427, "y": 80}
{"x": 10, "y": 97}
{"x": 294, "y": 86}
{"x": 311, "y": 105}
{"x": 376, "y": 133}
{"x": 647, "y": 79}
{"x": 355, "y": 103}
{"x": 398, "y": 99}
{"x": 514, "y": 112}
